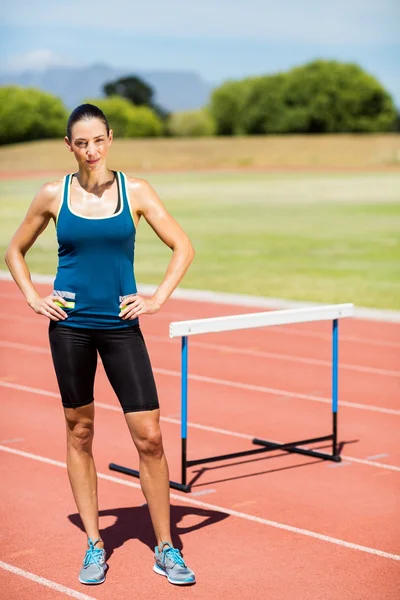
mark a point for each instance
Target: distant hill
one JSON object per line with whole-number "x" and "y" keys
{"x": 174, "y": 90}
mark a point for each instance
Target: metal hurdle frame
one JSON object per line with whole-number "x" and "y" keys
{"x": 184, "y": 329}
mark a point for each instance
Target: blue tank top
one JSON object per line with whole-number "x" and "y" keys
{"x": 95, "y": 262}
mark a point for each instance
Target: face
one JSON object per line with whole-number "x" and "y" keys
{"x": 90, "y": 143}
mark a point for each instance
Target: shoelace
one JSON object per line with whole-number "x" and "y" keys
{"x": 175, "y": 555}
{"x": 93, "y": 555}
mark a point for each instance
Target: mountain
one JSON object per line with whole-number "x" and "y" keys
{"x": 173, "y": 90}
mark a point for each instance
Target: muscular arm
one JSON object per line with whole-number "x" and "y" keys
{"x": 41, "y": 210}
{"x": 145, "y": 202}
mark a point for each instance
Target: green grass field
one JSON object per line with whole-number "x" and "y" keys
{"x": 322, "y": 237}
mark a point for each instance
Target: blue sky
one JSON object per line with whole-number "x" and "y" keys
{"x": 219, "y": 39}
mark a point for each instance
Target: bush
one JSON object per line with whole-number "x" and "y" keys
{"x": 193, "y": 123}
{"x": 320, "y": 97}
{"x": 262, "y": 106}
{"x": 30, "y": 114}
{"x": 128, "y": 120}
{"x": 332, "y": 97}
{"x": 225, "y": 105}
{"x": 144, "y": 123}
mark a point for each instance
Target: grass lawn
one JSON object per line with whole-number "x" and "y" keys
{"x": 325, "y": 237}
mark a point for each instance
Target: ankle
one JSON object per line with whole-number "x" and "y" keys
{"x": 162, "y": 547}
{"x": 99, "y": 544}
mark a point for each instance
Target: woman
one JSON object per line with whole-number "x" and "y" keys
{"x": 95, "y": 308}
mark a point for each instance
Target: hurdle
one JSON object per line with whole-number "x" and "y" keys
{"x": 185, "y": 329}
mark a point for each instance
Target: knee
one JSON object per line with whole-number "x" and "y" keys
{"x": 150, "y": 443}
{"x": 80, "y": 434}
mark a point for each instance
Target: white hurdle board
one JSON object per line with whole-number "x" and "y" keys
{"x": 261, "y": 319}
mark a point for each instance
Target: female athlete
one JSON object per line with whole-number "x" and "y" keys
{"x": 95, "y": 308}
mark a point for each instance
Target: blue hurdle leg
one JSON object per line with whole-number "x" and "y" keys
{"x": 184, "y": 393}
{"x": 335, "y": 368}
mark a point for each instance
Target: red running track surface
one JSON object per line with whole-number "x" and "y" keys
{"x": 266, "y": 526}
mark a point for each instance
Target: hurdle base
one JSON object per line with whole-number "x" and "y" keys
{"x": 134, "y": 473}
{"x": 293, "y": 447}
{"x": 220, "y": 457}
{"x": 268, "y": 446}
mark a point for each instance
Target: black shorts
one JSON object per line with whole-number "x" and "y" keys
{"x": 125, "y": 359}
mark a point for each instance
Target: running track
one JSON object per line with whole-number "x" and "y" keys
{"x": 269, "y": 526}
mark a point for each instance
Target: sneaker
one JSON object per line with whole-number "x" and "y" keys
{"x": 94, "y": 565}
{"x": 170, "y": 563}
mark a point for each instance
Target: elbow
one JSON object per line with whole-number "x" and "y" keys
{"x": 184, "y": 250}
{"x": 7, "y": 256}
{"x": 191, "y": 253}
{"x": 10, "y": 254}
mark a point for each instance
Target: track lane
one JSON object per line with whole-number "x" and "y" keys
{"x": 334, "y": 498}
{"x": 125, "y": 528}
{"x": 281, "y": 490}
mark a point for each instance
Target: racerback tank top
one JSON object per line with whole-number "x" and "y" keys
{"x": 95, "y": 262}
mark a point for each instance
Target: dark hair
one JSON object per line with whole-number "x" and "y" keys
{"x": 86, "y": 112}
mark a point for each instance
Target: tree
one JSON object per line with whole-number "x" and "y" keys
{"x": 144, "y": 122}
{"x": 30, "y": 114}
{"x": 332, "y": 97}
{"x": 132, "y": 88}
{"x": 320, "y": 97}
{"x": 225, "y": 106}
{"x": 193, "y": 123}
{"x": 127, "y": 120}
{"x": 136, "y": 91}
{"x": 262, "y": 107}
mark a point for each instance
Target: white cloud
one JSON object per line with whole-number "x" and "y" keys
{"x": 291, "y": 21}
{"x": 35, "y": 60}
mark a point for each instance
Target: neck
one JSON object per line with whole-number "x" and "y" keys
{"x": 92, "y": 181}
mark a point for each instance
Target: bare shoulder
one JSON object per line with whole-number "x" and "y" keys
{"x": 142, "y": 196}
{"x": 50, "y": 190}
{"x": 42, "y": 209}
{"x": 48, "y": 197}
{"x": 137, "y": 185}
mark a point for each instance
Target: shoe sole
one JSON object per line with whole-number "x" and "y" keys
{"x": 159, "y": 571}
{"x": 93, "y": 581}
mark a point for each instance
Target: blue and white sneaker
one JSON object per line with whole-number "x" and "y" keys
{"x": 94, "y": 565}
{"x": 170, "y": 563}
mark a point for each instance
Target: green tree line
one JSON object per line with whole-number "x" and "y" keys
{"x": 319, "y": 97}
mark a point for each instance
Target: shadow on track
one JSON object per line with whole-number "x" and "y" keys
{"x": 134, "y": 523}
{"x": 194, "y": 482}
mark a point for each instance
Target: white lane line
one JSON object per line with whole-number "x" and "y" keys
{"x": 203, "y": 492}
{"x": 376, "y": 456}
{"x": 222, "y": 509}
{"x": 236, "y": 384}
{"x": 57, "y": 587}
{"x": 372, "y": 463}
{"x": 27, "y": 347}
{"x": 278, "y": 356}
{"x": 173, "y": 421}
{"x": 26, "y": 388}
